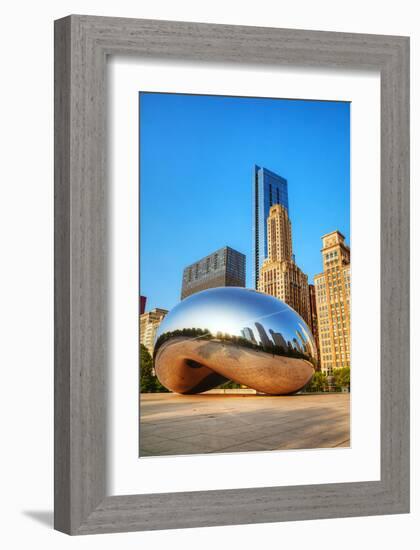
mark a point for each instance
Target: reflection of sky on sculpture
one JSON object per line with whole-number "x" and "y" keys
{"x": 229, "y": 310}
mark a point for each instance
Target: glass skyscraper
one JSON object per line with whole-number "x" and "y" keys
{"x": 269, "y": 189}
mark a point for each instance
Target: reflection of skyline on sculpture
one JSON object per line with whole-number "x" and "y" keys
{"x": 232, "y": 333}
{"x": 251, "y": 315}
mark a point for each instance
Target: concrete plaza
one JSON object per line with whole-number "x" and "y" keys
{"x": 174, "y": 424}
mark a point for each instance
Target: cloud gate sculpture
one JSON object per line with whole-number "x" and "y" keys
{"x": 232, "y": 333}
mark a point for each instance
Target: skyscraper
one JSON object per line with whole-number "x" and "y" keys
{"x": 149, "y": 323}
{"x": 279, "y": 275}
{"x": 225, "y": 267}
{"x": 313, "y": 316}
{"x": 332, "y": 288}
{"x": 268, "y": 189}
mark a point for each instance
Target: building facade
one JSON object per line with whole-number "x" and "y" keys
{"x": 332, "y": 289}
{"x": 225, "y": 267}
{"x": 313, "y": 316}
{"x": 279, "y": 275}
{"x": 142, "y": 304}
{"x": 149, "y": 323}
{"x": 268, "y": 189}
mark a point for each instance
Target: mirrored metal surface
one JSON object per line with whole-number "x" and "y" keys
{"x": 232, "y": 333}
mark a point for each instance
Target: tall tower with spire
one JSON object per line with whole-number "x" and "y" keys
{"x": 279, "y": 275}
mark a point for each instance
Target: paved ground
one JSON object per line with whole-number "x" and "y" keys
{"x": 174, "y": 424}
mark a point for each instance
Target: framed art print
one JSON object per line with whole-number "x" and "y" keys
{"x": 187, "y": 430}
{"x": 231, "y": 311}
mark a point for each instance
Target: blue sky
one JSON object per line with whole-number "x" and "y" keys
{"x": 196, "y": 162}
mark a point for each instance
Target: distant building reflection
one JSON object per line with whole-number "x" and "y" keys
{"x": 302, "y": 342}
{"x": 265, "y": 340}
{"x": 297, "y": 345}
{"x": 278, "y": 339}
{"x": 248, "y": 334}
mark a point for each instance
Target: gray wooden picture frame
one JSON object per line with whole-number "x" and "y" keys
{"x": 82, "y": 44}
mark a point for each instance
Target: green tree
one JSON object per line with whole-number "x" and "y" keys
{"x": 149, "y": 383}
{"x": 342, "y": 377}
{"x": 317, "y": 382}
{"x": 229, "y": 385}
